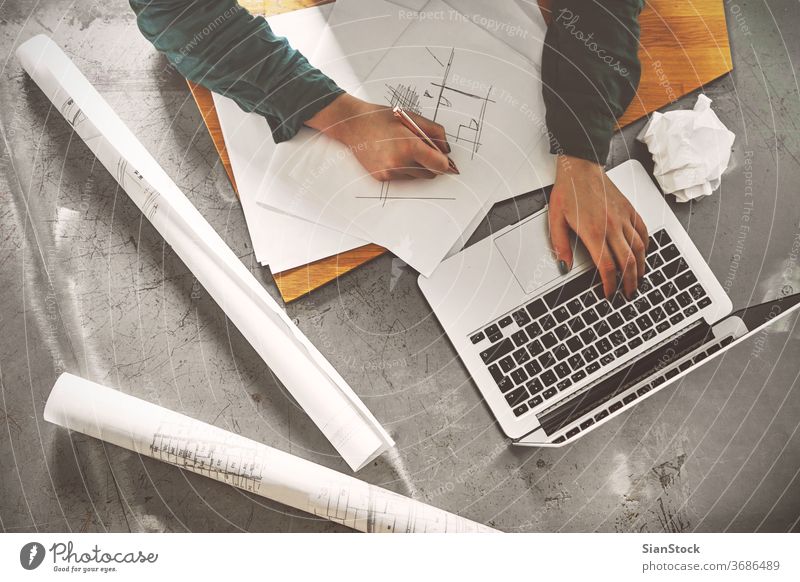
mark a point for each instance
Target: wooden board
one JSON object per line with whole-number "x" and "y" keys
{"x": 684, "y": 45}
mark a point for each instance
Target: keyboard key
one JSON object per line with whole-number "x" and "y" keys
{"x": 644, "y": 322}
{"x": 657, "y": 279}
{"x": 590, "y": 354}
{"x": 630, "y": 330}
{"x": 604, "y": 346}
{"x": 592, "y": 368}
{"x": 615, "y": 320}
{"x": 578, "y": 376}
{"x": 536, "y": 309}
{"x": 496, "y": 337}
{"x": 535, "y": 348}
{"x": 549, "y": 340}
{"x": 641, "y": 304}
{"x": 635, "y": 343}
{"x": 535, "y": 401}
{"x": 692, "y": 309}
{"x": 671, "y": 307}
{"x": 564, "y": 384}
{"x": 497, "y": 351}
{"x": 629, "y": 312}
{"x": 662, "y": 238}
{"x": 521, "y": 317}
{"x": 533, "y": 330}
{"x": 602, "y": 328}
{"x": 676, "y": 319}
{"x": 662, "y": 327}
{"x": 562, "y": 332}
{"x": 521, "y": 356}
{"x": 532, "y": 368}
{"x": 534, "y": 387}
{"x": 614, "y": 407}
{"x": 561, "y": 314}
{"x": 648, "y": 335}
{"x": 549, "y": 393}
{"x": 520, "y": 338}
{"x": 560, "y": 352}
{"x": 617, "y": 338}
{"x": 519, "y": 376}
{"x": 548, "y": 322}
{"x": 506, "y": 321}
{"x": 492, "y": 329}
{"x": 607, "y": 359}
{"x": 657, "y": 314}
{"x": 590, "y": 316}
{"x": 496, "y": 372}
{"x": 588, "y": 299}
{"x": 685, "y": 279}
{"x": 643, "y": 390}
{"x": 574, "y": 344}
{"x": 654, "y": 261}
{"x": 697, "y": 292}
{"x": 575, "y": 306}
{"x": 588, "y": 335}
{"x": 505, "y": 384}
{"x": 669, "y": 289}
{"x": 507, "y": 364}
{"x": 559, "y": 440}
{"x": 587, "y": 423}
{"x": 547, "y": 360}
{"x": 562, "y": 370}
{"x": 520, "y": 410}
{"x": 548, "y": 378}
{"x": 629, "y": 398}
{"x": 517, "y": 396}
{"x": 477, "y": 337}
{"x": 645, "y": 286}
{"x": 600, "y": 415}
{"x": 575, "y": 361}
{"x": 618, "y": 300}
{"x": 704, "y": 302}
{"x": 576, "y": 324}
{"x": 572, "y": 432}
{"x": 684, "y": 299}
{"x": 621, "y": 351}
{"x": 669, "y": 252}
{"x": 671, "y": 270}
{"x": 603, "y": 308}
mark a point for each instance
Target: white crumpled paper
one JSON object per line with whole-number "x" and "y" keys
{"x": 691, "y": 150}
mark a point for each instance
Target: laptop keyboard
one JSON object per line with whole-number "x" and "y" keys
{"x": 548, "y": 345}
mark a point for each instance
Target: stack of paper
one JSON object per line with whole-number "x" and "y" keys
{"x": 476, "y": 75}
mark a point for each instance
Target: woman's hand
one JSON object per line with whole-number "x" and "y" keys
{"x": 585, "y": 201}
{"x": 383, "y": 145}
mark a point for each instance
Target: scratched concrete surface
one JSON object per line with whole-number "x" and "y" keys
{"x": 87, "y": 286}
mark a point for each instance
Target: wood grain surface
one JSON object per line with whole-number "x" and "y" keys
{"x": 684, "y": 45}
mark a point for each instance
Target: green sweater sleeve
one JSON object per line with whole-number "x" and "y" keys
{"x": 221, "y": 46}
{"x": 590, "y": 72}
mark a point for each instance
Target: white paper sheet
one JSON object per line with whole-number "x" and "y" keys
{"x": 279, "y": 240}
{"x": 309, "y": 377}
{"x": 154, "y": 431}
{"x": 486, "y": 95}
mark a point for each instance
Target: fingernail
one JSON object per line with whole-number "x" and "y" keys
{"x": 563, "y": 267}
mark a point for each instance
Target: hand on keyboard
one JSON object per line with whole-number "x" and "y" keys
{"x": 585, "y": 201}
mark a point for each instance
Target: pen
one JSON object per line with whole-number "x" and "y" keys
{"x": 406, "y": 120}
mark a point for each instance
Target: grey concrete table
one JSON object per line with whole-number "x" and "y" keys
{"x": 87, "y": 285}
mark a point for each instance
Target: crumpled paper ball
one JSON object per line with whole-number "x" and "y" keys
{"x": 691, "y": 150}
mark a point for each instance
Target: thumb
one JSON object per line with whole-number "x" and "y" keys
{"x": 433, "y": 130}
{"x": 560, "y": 240}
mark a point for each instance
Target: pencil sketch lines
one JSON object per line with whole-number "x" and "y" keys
{"x": 405, "y": 97}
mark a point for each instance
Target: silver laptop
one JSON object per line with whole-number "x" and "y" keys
{"x": 551, "y": 356}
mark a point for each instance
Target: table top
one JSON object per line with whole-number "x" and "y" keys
{"x": 88, "y": 286}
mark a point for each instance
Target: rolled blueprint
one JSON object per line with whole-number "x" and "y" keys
{"x": 190, "y": 444}
{"x": 303, "y": 370}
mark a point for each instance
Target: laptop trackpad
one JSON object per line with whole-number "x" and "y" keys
{"x": 527, "y": 252}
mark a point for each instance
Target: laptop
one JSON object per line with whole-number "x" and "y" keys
{"x": 554, "y": 359}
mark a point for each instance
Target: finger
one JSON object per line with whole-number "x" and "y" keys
{"x": 419, "y": 173}
{"x": 625, "y": 260}
{"x": 433, "y": 130}
{"x": 606, "y": 267}
{"x": 560, "y": 240}
{"x": 639, "y": 248}
{"x": 429, "y": 158}
{"x": 641, "y": 229}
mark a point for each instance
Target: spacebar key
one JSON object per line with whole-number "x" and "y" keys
{"x": 497, "y": 351}
{"x": 571, "y": 288}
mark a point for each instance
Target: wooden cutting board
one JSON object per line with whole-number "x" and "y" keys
{"x": 684, "y": 45}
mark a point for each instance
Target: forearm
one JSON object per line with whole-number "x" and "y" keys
{"x": 221, "y": 46}
{"x": 590, "y": 72}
